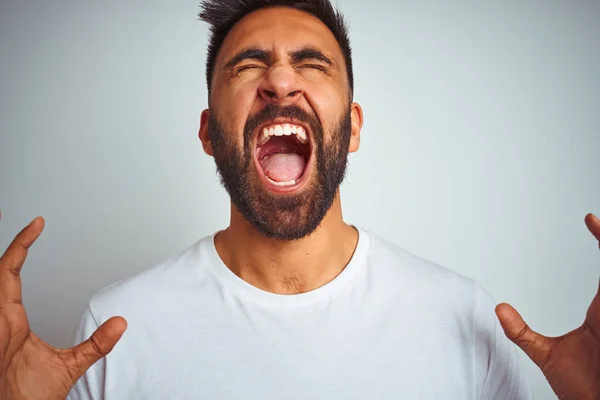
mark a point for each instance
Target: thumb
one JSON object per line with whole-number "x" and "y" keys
{"x": 536, "y": 346}
{"x": 102, "y": 341}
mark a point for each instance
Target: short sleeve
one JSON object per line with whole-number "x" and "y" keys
{"x": 499, "y": 373}
{"x": 91, "y": 385}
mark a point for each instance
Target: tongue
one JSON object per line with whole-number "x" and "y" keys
{"x": 283, "y": 167}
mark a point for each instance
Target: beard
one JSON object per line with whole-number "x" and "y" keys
{"x": 289, "y": 216}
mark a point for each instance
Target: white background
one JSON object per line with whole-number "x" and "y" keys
{"x": 480, "y": 150}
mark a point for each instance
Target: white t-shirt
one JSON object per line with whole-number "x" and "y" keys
{"x": 390, "y": 326}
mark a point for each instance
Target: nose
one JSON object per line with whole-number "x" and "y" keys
{"x": 280, "y": 86}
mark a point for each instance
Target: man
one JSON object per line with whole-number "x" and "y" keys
{"x": 288, "y": 301}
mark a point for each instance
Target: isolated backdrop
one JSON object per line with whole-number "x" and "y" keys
{"x": 480, "y": 150}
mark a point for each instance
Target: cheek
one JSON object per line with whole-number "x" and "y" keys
{"x": 329, "y": 106}
{"x": 234, "y": 105}
{"x": 329, "y": 87}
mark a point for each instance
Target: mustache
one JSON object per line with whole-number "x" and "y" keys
{"x": 272, "y": 111}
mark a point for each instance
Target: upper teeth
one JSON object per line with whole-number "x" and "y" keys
{"x": 281, "y": 130}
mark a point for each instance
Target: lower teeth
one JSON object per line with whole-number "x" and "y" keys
{"x": 288, "y": 183}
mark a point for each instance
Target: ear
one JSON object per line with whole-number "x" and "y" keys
{"x": 356, "y": 116}
{"x": 203, "y": 132}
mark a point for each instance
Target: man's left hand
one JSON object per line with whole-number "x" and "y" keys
{"x": 570, "y": 363}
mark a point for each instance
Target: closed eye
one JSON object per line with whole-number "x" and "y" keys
{"x": 248, "y": 66}
{"x": 314, "y": 66}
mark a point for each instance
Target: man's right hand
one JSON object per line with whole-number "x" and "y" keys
{"x": 29, "y": 367}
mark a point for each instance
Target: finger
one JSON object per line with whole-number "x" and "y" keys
{"x": 593, "y": 224}
{"x": 592, "y": 316}
{"x": 536, "y": 346}
{"x": 13, "y": 259}
{"x": 81, "y": 357}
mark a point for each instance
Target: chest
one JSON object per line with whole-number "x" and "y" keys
{"x": 296, "y": 355}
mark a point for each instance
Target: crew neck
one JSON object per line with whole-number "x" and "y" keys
{"x": 251, "y": 293}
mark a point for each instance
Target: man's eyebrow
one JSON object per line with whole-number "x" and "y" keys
{"x": 310, "y": 53}
{"x": 249, "y": 54}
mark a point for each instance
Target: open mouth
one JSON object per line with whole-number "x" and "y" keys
{"x": 283, "y": 153}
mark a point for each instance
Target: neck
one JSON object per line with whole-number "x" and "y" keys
{"x": 288, "y": 267}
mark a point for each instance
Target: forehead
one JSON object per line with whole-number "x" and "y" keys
{"x": 279, "y": 29}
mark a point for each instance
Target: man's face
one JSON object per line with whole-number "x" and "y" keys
{"x": 280, "y": 123}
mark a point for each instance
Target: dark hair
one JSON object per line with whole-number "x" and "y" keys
{"x": 222, "y": 15}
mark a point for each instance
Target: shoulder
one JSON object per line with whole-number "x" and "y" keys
{"x": 169, "y": 279}
{"x": 407, "y": 272}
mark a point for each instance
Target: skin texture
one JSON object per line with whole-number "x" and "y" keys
{"x": 242, "y": 91}
{"x": 32, "y": 369}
